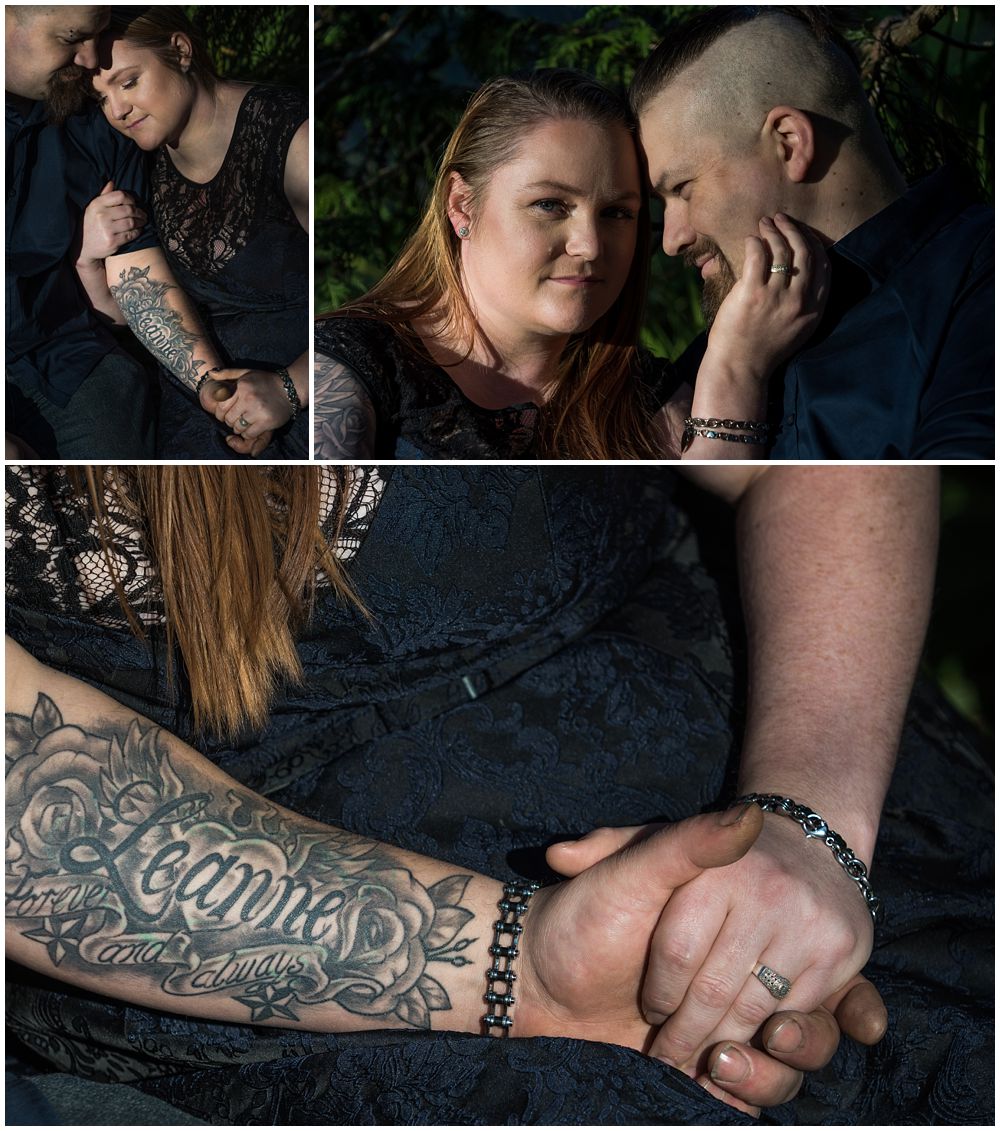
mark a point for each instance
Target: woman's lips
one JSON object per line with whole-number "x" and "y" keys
{"x": 576, "y": 280}
{"x": 132, "y": 125}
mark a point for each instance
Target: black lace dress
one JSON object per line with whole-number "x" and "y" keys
{"x": 547, "y": 652}
{"x": 237, "y": 249}
{"x": 420, "y": 413}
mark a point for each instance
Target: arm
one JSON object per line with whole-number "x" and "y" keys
{"x": 297, "y": 175}
{"x": 137, "y": 869}
{"x": 837, "y": 567}
{"x": 111, "y": 221}
{"x": 161, "y": 315}
{"x": 343, "y": 414}
{"x": 763, "y": 320}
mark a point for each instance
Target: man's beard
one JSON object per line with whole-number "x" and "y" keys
{"x": 66, "y": 93}
{"x": 717, "y": 286}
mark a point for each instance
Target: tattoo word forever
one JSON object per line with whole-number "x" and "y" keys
{"x": 115, "y": 858}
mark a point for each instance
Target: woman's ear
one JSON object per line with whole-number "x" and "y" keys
{"x": 182, "y": 45}
{"x": 460, "y": 206}
{"x": 794, "y": 137}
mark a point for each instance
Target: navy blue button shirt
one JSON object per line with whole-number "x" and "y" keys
{"x": 53, "y": 172}
{"x": 902, "y": 364}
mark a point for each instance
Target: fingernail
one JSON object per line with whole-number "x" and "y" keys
{"x": 734, "y": 815}
{"x": 655, "y": 1018}
{"x": 780, "y": 216}
{"x": 731, "y": 1066}
{"x": 788, "y": 1037}
{"x": 767, "y": 221}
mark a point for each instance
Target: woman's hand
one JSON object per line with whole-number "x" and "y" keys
{"x": 767, "y": 316}
{"x": 110, "y": 221}
{"x": 258, "y": 403}
{"x": 780, "y": 905}
{"x": 790, "y": 1043}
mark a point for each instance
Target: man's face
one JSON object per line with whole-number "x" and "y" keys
{"x": 712, "y": 200}
{"x": 51, "y": 47}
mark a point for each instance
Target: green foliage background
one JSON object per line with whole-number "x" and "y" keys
{"x": 257, "y": 43}
{"x": 392, "y": 81}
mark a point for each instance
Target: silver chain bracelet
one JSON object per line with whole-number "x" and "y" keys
{"x": 516, "y": 897}
{"x": 816, "y": 828}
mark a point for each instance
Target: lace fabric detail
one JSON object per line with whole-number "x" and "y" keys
{"x": 55, "y": 559}
{"x": 204, "y": 226}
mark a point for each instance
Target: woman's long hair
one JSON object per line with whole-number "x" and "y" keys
{"x": 236, "y": 551}
{"x": 597, "y": 411}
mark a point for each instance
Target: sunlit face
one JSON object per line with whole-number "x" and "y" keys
{"x": 140, "y": 95}
{"x": 712, "y": 198}
{"x": 51, "y": 47}
{"x": 552, "y": 240}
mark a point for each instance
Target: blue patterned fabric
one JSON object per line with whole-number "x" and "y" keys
{"x": 548, "y": 651}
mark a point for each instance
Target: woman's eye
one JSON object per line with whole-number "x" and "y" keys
{"x": 129, "y": 83}
{"x": 549, "y": 207}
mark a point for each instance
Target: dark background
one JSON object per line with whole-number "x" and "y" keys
{"x": 257, "y": 43}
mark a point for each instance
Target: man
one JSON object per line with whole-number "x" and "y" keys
{"x": 747, "y": 112}
{"x": 73, "y": 391}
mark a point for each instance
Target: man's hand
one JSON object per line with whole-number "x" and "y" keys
{"x": 586, "y": 941}
{"x": 217, "y": 393}
{"x": 110, "y": 221}
{"x": 792, "y": 1042}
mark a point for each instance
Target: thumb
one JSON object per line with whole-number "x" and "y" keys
{"x": 571, "y": 857}
{"x": 109, "y": 187}
{"x": 652, "y": 867}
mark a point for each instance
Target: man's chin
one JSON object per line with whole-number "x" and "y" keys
{"x": 66, "y": 93}
{"x": 715, "y": 290}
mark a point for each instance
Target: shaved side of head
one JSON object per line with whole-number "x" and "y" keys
{"x": 734, "y": 65}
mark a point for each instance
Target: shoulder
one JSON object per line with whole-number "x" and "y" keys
{"x": 366, "y": 345}
{"x": 345, "y": 420}
{"x": 277, "y": 105}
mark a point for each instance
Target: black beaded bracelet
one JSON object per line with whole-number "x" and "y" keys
{"x": 290, "y": 390}
{"x": 516, "y": 897}
{"x": 816, "y": 828}
{"x": 205, "y": 376}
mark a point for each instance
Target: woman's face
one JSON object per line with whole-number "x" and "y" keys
{"x": 140, "y": 95}
{"x": 552, "y": 240}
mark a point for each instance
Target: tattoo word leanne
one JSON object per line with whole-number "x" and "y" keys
{"x": 114, "y": 858}
{"x": 157, "y": 325}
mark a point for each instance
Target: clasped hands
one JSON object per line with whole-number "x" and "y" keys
{"x": 627, "y": 952}
{"x": 252, "y": 402}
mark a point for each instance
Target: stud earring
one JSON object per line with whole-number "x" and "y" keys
{"x": 463, "y": 232}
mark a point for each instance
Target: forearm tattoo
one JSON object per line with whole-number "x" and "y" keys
{"x": 118, "y": 857}
{"x": 343, "y": 413}
{"x": 157, "y": 325}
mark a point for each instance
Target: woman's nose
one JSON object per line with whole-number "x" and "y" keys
{"x": 118, "y": 107}
{"x": 584, "y": 238}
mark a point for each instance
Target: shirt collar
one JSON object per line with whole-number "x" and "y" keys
{"x": 894, "y": 234}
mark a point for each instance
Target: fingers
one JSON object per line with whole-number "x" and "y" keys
{"x": 109, "y": 187}
{"x": 656, "y": 865}
{"x": 749, "y": 1077}
{"x": 859, "y": 1011}
{"x": 571, "y": 857}
{"x": 780, "y": 252}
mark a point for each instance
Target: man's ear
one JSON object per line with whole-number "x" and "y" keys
{"x": 794, "y": 137}
{"x": 459, "y": 206}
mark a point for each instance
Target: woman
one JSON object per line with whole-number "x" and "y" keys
{"x": 508, "y": 325}
{"x": 496, "y": 660}
{"x": 230, "y": 191}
